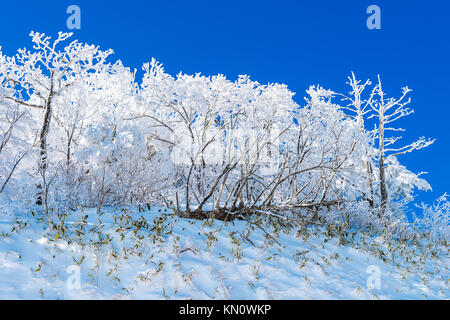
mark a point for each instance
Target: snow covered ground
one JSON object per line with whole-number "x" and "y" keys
{"x": 155, "y": 255}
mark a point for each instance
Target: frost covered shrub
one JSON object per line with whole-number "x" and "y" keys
{"x": 435, "y": 219}
{"x": 108, "y": 168}
{"x": 360, "y": 215}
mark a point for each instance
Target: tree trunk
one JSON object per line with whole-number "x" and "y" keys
{"x": 43, "y": 162}
{"x": 369, "y": 176}
{"x": 383, "y": 189}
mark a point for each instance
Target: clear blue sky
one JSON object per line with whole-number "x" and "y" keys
{"x": 294, "y": 42}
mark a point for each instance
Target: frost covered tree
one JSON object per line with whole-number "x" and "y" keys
{"x": 88, "y": 128}
{"x": 379, "y": 143}
{"x": 359, "y": 110}
{"x": 36, "y": 78}
{"x": 388, "y": 110}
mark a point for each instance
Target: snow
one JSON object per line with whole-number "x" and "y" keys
{"x": 176, "y": 258}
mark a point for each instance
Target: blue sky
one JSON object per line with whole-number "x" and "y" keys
{"x": 294, "y": 42}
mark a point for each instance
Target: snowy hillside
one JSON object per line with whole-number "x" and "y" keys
{"x": 143, "y": 254}
{"x": 314, "y": 190}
